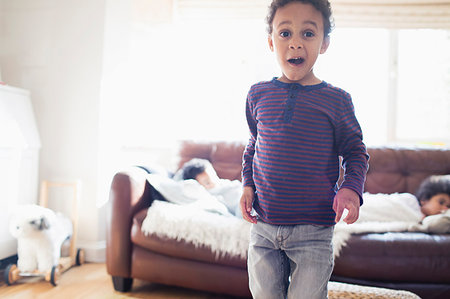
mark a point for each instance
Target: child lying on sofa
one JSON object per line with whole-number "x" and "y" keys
{"x": 434, "y": 195}
{"x": 196, "y": 184}
{"x": 200, "y": 170}
{"x": 228, "y": 192}
{"x": 434, "y": 200}
{"x": 427, "y": 212}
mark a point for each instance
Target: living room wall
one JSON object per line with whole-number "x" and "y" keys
{"x": 54, "y": 49}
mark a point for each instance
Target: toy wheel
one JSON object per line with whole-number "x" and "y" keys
{"x": 80, "y": 257}
{"x": 54, "y": 276}
{"x": 11, "y": 274}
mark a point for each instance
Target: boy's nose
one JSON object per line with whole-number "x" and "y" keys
{"x": 295, "y": 45}
{"x": 295, "y": 42}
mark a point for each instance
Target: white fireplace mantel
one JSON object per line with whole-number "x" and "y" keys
{"x": 19, "y": 158}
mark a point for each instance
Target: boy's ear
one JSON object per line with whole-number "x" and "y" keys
{"x": 325, "y": 44}
{"x": 269, "y": 39}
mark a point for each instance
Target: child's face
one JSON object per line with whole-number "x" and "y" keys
{"x": 205, "y": 180}
{"x": 437, "y": 204}
{"x": 297, "y": 40}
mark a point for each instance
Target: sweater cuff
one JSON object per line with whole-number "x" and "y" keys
{"x": 248, "y": 182}
{"x": 356, "y": 190}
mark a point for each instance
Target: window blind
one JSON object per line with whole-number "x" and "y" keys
{"x": 399, "y": 14}
{"x": 221, "y": 9}
{"x": 347, "y": 13}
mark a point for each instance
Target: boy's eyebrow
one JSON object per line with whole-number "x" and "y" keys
{"x": 305, "y": 22}
{"x": 311, "y": 23}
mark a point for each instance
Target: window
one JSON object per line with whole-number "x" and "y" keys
{"x": 357, "y": 61}
{"x": 188, "y": 78}
{"x": 399, "y": 81}
{"x": 423, "y": 87}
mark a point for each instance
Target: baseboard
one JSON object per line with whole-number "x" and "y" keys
{"x": 95, "y": 251}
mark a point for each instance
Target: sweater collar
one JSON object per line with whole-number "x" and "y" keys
{"x": 297, "y": 85}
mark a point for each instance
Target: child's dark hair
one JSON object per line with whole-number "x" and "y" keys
{"x": 321, "y": 5}
{"x": 435, "y": 184}
{"x": 193, "y": 168}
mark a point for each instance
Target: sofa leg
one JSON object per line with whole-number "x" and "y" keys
{"x": 122, "y": 284}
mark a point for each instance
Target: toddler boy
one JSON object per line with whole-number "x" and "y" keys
{"x": 299, "y": 126}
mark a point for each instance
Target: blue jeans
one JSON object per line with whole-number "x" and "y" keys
{"x": 290, "y": 261}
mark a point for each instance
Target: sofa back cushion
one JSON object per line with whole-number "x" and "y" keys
{"x": 226, "y": 157}
{"x": 391, "y": 169}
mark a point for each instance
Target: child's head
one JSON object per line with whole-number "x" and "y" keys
{"x": 323, "y": 6}
{"x": 298, "y": 32}
{"x": 200, "y": 170}
{"x": 434, "y": 194}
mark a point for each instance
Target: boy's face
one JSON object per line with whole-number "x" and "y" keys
{"x": 437, "y": 204}
{"x": 297, "y": 40}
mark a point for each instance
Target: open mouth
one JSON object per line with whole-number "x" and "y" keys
{"x": 296, "y": 61}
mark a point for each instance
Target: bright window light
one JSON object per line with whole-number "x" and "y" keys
{"x": 189, "y": 80}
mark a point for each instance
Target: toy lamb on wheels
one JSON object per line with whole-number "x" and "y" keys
{"x": 40, "y": 232}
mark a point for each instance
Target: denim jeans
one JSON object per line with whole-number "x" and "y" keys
{"x": 291, "y": 262}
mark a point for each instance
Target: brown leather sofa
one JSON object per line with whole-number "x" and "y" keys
{"x": 416, "y": 262}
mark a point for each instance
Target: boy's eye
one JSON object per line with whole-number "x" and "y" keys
{"x": 308, "y": 34}
{"x": 285, "y": 34}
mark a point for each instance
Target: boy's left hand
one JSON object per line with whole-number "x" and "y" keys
{"x": 346, "y": 199}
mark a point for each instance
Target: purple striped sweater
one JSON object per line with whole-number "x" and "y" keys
{"x": 297, "y": 134}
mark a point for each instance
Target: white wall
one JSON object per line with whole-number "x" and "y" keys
{"x": 54, "y": 49}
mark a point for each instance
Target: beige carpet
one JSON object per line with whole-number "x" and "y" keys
{"x": 337, "y": 290}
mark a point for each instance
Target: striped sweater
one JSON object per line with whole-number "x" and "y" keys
{"x": 297, "y": 134}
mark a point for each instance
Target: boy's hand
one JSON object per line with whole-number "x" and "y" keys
{"x": 346, "y": 199}
{"x": 246, "y": 204}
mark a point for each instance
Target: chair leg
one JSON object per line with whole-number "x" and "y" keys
{"x": 122, "y": 284}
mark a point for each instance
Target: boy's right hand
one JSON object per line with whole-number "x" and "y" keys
{"x": 246, "y": 203}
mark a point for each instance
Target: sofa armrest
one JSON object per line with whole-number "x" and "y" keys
{"x": 129, "y": 193}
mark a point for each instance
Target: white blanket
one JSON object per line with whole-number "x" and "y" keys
{"x": 230, "y": 235}
{"x": 224, "y": 235}
{"x": 379, "y": 213}
{"x": 223, "y": 199}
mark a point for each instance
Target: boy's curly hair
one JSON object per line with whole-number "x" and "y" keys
{"x": 321, "y": 5}
{"x": 435, "y": 184}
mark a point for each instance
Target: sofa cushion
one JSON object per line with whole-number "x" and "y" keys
{"x": 396, "y": 256}
{"x": 180, "y": 248}
{"x": 402, "y": 170}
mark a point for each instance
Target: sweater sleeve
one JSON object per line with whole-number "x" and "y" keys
{"x": 247, "y": 164}
{"x": 352, "y": 149}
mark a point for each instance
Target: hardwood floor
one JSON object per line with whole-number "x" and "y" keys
{"x": 91, "y": 281}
